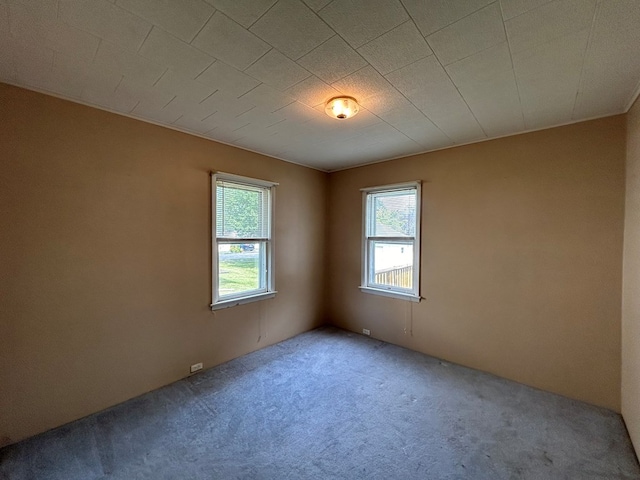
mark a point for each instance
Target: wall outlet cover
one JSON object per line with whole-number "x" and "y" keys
{"x": 366, "y": 331}
{"x": 196, "y": 366}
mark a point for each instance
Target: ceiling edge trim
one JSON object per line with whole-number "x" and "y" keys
{"x": 158, "y": 124}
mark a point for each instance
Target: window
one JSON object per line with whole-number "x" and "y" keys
{"x": 242, "y": 243}
{"x": 391, "y": 243}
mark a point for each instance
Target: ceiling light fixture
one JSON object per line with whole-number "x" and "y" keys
{"x": 341, "y": 107}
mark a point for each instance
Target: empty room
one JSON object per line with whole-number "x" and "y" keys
{"x": 319, "y": 239}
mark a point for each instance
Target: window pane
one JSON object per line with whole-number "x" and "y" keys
{"x": 391, "y": 264}
{"x": 242, "y": 211}
{"x": 241, "y": 268}
{"x": 393, "y": 214}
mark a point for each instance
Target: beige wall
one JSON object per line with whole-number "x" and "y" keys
{"x": 521, "y": 258}
{"x": 631, "y": 283}
{"x": 105, "y": 259}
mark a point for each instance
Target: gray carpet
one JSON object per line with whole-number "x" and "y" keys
{"x": 331, "y": 404}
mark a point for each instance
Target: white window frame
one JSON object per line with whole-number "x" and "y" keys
{"x": 367, "y": 286}
{"x": 269, "y": 291}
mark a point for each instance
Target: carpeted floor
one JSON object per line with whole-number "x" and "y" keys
{"x": 334, "y": 405}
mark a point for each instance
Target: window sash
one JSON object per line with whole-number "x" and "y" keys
{"x": 372, "y": 283}
{"x": 261, "y": 266}
{"x": 372, "y": 274}
{"x": 265, "y": 287}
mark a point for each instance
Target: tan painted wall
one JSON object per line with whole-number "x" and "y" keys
{"x": 105, "y": 259}
{"x": 521, "y": 257}
{"x": 631, "y": 283}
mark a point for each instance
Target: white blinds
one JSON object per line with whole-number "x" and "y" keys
{"x": 242, "y": 211}
{"x": 393, "y": 213}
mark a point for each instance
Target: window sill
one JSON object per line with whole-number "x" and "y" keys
{"x": 390, "y": 293}
{"x": 241, "y": 301}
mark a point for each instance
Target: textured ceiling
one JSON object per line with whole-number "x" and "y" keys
{"x": 256, "y": 73}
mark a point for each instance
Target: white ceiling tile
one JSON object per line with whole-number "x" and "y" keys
{"x": 609, "y": 78}
{"x": 122, "y": 99}
{"x": 105, "y": 20}
{"x": 224, "y": 134}
{"x": 312, "y": 91}
{"x": 245, "y": 12}
{"x": 60, "y": 81}
{"x": 163, "y": 114}
{"x": 360, "y": 21}
{"x": 362, "y": 84}
{"x": 100, "y": 86}
{"x": 131, "y": 65}
{"x": 227, "y": 41}
{"x": 390, "y": 142}
{"x": 457, "y": 122}
{"x": 225, "y": 77}
{"x": 32, "y": 65}
{"x": 182, "y": 18}
{"x": 267, "y": 97}
{"x": 557, "y": 59}
{"x": 385, "y": 100}
{"x": 165, "y": 49}
{"x": 7, "y": 69}
{"x": 548, "y": 22}
{"x": 187, "y": 91}
{"x": 513, "y": 8}
{"x": 481, "y": 68}
{"x": 542, "y": 103}
{"x": 498, "y": 120}
{"x": 428, "y": 87}
{"x": 267, "y": 142}
{"x": 226, "y": 107}
{"x": 548, "y": 78}
{"x": 415, "y": 125}
{"x": 422, "y": 82}
{"x": 299, "y": 112}
{"x": 543, "y": 115}
{"x": 396, "y": 48}
{"x": 496, "y": 105}
{"x": 332, "y": 60}
{"x": 487, "y": 84}
{"x": 293, "y": 132}
{"x": 261, "y": 117}
{"x": 40, "y": 32}
{"x": 292, "y": 28}
{"x": 42, "y": 9}
{"x": 432, "y": 15}
{"x": 277, "y": 71}
{"x": 51, "y": 72}
{"x": 196, "y": 124}
{"x": 317, "y": 4}
{"x": 131, "y": 89}
{"x": 380, "y": 132}
{"x": 4, "y": 22}
{"x": 248, "y": 131}
{"x": 240, "y": 127}
{"x": 470, "y": 35}
{"x": 614, "y": 15}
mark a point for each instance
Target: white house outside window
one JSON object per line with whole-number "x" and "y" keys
{"x": 242, "y": 251}
{"x": 391, "y": 241}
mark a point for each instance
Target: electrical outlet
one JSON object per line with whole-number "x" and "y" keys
{"x": 366, "y": 331}
{"x": 195, "y": 367}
